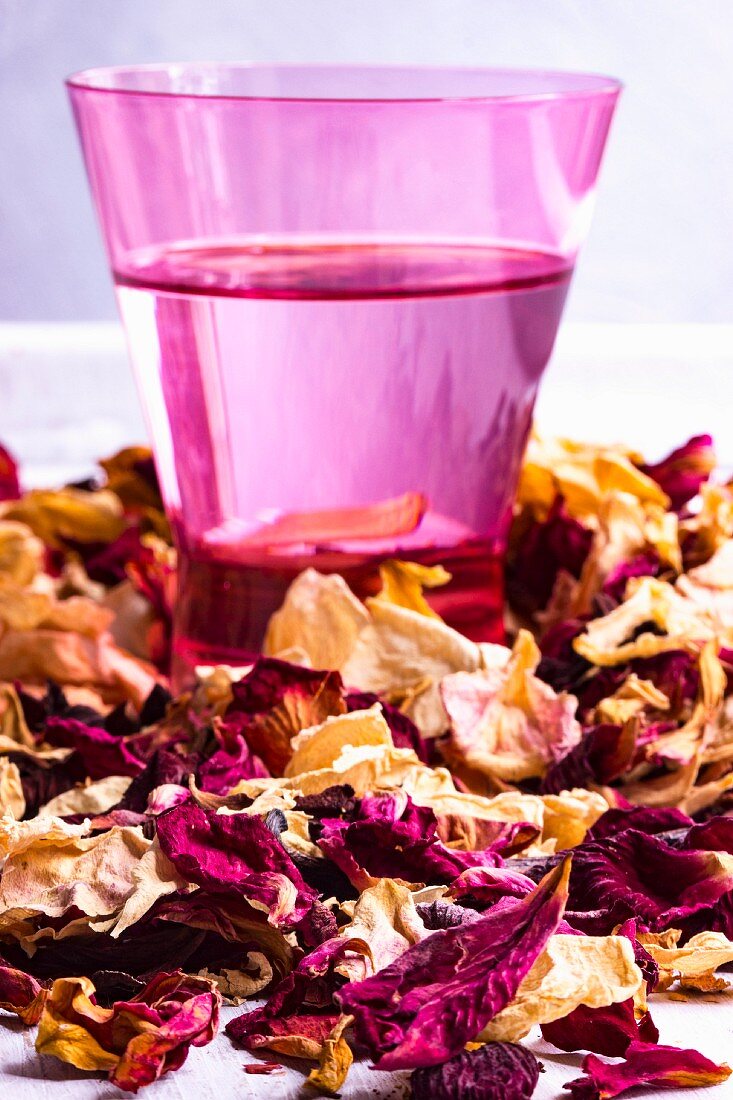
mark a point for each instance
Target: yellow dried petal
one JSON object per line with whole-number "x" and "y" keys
{"x": 71, "y": 1042}
{"x": 605, "y": 641}
{"x": 21, "y": 554}
{"x": 400, "y": 648}
{"x": 364, "y": 768}
{"x": 296, "y": 837}
{"x": 334, "y": 1060}
{"x": 712, "y": 525}
{"x": 380, "y": 647}
{"x": 319, "y": 746}
{"x": 632, "y": 697}
{"x": 24, "y": 609}
{"x": 625, "y": 528}
{"x": 13, "y": 725}
{"x": 57, "y": 515}
{"x": 563, "y": 820}
{"x": 572, "y": 970}
{"x": 585, "y": 474}
{"x": 403, "y": 583}
{"x": 569, "y": 816}
{"x": 124, "y": 479}
{"x": 681, "y": 746}
{"x": 661, "y": 532}
{"x": 18, "y": 836}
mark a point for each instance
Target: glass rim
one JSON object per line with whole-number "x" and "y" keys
{"x": 570, "y": 84}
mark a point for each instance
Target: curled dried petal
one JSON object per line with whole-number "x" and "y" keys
{"x": 646, "y": 1064}
{"x": 496, "y": 1071}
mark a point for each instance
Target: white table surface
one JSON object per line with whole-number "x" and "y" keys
{"x": 68, "y": 397}
{"x": 216, "y": 1072}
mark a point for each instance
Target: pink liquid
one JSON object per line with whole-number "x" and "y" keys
{"x": 296, "y": 378}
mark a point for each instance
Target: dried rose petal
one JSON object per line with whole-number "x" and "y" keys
{"x": 9, "y": 484}
{"x": 635, "y": 875}
{"x": 609, "y": 1030}
{"x": 103, "y": 754}
{"x": 646, "y": 1064}
{"x": 276, "y": 700}
{"x": 505, "y": 722}
{"x": 682, "y": 473}
{"x": 435, "y": 998}
{"x": 22, "y": 994}
{"x": 496, "y": 1071}
{"x": 135, "y": 1041}
{"x": 547, "y": 546}
{"x": 301, "y": 1035}
{"x": 235, "y": 855}
{"x": 263, "y": 1067}
{"x": 392, "y": 837}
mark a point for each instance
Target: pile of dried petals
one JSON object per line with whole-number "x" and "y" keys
{"x": 404, "y": 845}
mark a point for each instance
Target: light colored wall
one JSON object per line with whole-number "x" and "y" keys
{"x": 662, "y": 245}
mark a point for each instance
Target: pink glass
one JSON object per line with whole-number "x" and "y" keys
{"x": 340, "y": 288}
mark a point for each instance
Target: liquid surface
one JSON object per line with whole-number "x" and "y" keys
{"x": 333, "y": 405}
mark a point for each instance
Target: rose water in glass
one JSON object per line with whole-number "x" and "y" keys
{"x": 340, "y": 288}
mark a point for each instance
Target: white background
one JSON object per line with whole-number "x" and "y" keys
{"x": 661, "y": 248}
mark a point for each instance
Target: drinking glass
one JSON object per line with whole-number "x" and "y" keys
{"x": 340, "y": 287}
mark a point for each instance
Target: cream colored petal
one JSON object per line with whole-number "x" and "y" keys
{"x": 563, "y": 819}
{"x": 95, "y": 798}
{"x": 572, "y": 970}
{"x": 154, "y": 877}
{"x": 297, "y": 835}
{"x": 12, "y": 799}
{"x": 238, "y": 985}
{"x": 606, "y": 639}
{"x": 321, "y": 616}
{"x": 695, "y": 963}
{"x": 400, "y": 648}
{"x": 385, "y": 923}
{"x": 364, "y": 768}
{"x": 716, "y": 573}
{"x": 17, "y": 836}
{"x": 505, "y": 723}
{"x": 56, "y": 872}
